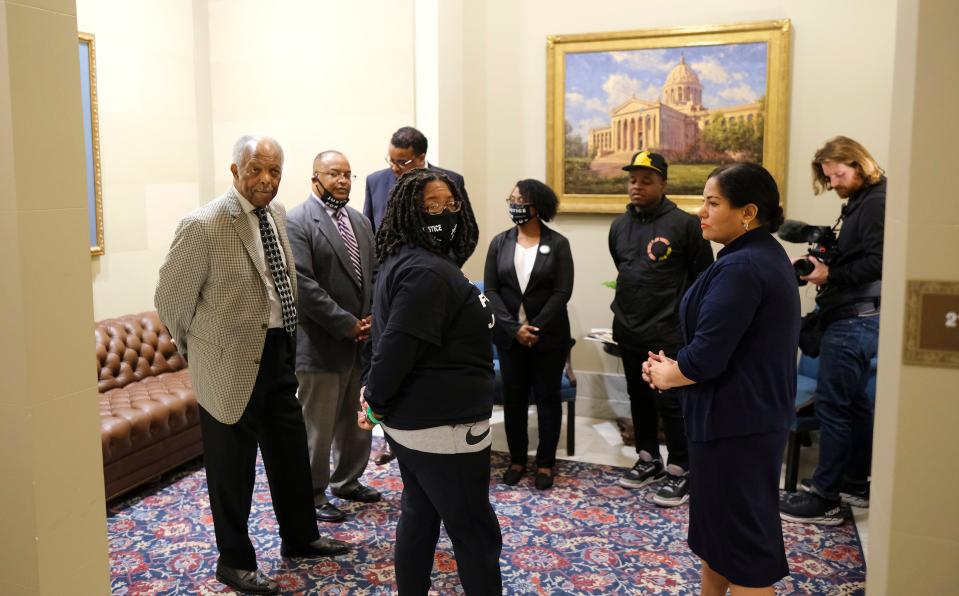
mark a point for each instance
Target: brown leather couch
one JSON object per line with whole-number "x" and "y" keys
{"x": 149, "y": 417}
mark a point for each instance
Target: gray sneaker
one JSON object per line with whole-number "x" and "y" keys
{"x": 643, "y": 473}
{"x": 674, "y": 490}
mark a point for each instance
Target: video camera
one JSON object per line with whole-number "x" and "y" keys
{"x": 823, "y": 241}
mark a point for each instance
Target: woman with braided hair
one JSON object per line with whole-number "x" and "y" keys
{"x": 430, "y": 383}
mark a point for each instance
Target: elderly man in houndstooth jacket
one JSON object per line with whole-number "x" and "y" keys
{"x": 226, "y": 294}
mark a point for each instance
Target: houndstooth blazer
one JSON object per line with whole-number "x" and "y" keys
{"x": 213, "y": 299}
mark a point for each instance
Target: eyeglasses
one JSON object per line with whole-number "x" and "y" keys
{"x": 436, "y": 208}
{"x": 344, "y": 175}
{"x": 399, "y": 164}
{"x": 517, "y": 201}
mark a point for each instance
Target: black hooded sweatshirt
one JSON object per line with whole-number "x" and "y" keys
{"x": 658, "y": 254}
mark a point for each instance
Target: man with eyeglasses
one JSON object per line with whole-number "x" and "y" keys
{"x": 333, "y": 250}
{"x": 407, "y": 151}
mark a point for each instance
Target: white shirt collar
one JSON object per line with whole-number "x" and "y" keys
{"x": 246, "y": 205}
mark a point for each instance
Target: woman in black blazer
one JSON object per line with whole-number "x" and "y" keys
{"x": 737, "y": 374}
{"x": 528, "y": 280}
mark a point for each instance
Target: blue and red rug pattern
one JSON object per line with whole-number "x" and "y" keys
{"x": 585, "y": 536}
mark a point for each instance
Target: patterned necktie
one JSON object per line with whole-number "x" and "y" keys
{"x": 343, "y": 225}
{"x": 281, "y": 279}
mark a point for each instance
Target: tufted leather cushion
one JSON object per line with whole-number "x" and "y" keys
{"x": 132, "y": 348}
{"x": 145, "y": 391}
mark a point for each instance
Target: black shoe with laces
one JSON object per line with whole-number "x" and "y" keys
{"x": 674, "y": 490}
{"x": 643, "y": 473}
{"x": 854, "y": 494}
{"x": 810, "y": 508}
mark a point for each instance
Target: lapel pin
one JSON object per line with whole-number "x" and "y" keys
{"x": 544, "y": 249}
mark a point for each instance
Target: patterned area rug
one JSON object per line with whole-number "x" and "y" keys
{"x": 585, "y": 536}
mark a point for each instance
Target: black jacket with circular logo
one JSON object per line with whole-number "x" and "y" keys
{"x": 658, "y": 255}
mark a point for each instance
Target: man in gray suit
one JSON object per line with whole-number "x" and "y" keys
{"x": 333, "y": 249}
{"x": 227, "y": 297}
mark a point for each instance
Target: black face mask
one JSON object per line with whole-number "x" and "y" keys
{"x": 520, "y": 213}
{"x": 327, "y": 196}
{"x": 442, "y": 227}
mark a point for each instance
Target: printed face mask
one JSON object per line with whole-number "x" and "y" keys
{"x": 520, "y": 214}
{"x": 328, "y": 198}
{"x": 442, "y": 227}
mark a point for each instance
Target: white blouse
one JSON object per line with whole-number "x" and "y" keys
{"x": 523, "y": 259}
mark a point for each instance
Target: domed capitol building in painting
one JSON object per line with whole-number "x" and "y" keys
{"x": 671, "y": 125}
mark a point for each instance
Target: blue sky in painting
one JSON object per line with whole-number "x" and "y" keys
{"x": 596, "y": 82}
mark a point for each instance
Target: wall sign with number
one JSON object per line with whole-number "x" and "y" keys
{"x": 932, "y": 324}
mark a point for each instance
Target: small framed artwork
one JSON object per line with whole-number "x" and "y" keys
{"x": 931, "y": 335}
{"x": 700, "y": 96}
{"x": 91, "y": 141}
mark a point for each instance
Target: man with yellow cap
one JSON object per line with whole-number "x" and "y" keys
{"x": 658, "y": 250}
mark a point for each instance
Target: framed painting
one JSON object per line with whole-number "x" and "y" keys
{"x": 700, "y": 96}
{"x": 91, "y": 141}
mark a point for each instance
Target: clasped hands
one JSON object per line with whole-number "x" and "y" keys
{"x": 361, "y": 330}
{"x": 661, "y": 372}
{"x": 527, "y": 335}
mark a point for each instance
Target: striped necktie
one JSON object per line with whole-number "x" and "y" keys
{"x": 281, "y": 277}
{"x": 346, "y": 233}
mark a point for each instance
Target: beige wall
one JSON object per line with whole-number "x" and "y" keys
{"x": 914, "y": 532}
{"x": 52, "y": 519}
{"x": 149, "y": 144}
{"x": 322, "y": 75}
{"x": 180, "y": 80}
{"x": 505, "y": 111}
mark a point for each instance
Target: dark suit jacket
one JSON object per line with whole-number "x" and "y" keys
{"x": 330, "y": 300}
{"x": 549, "y": 289}
{"x": 378, "y": 187}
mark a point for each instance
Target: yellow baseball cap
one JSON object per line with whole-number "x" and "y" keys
{"x": 648, "y": 159}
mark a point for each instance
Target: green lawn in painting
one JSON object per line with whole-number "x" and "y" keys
{"x": 684, "y": 179}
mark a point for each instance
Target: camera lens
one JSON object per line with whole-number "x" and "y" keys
{"x": 803, "y": 267}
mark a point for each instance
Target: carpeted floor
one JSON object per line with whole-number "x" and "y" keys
{"x": 585, "y": 536}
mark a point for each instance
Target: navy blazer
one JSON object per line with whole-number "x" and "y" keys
{"x": 549, "y": 289}
{"x": 330, "y": 298}
{"x": 740, "y": 321}
{"x": 379, "y": 185}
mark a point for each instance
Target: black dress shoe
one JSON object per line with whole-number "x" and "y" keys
{"x": 329, "y": 512}
{"x": 361, "y": 493}
{"x": 512, "y": 476}
{"x": 247, "y": 582}
{"x": 543, "y": 481}
{"x": 321, "y": 547}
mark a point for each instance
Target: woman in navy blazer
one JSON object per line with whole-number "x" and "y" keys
{"x": 740, "y": 321}
{"x": 528, "y": 280}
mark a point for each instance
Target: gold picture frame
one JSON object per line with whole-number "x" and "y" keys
{"x": 91, "y": 140}
{"x": 917, "y": 327}
{"x": 585, "y": 172}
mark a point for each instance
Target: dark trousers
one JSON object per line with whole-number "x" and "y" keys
{"x": 454, "y": 489}
{"x": 844, "y": 409}
{"x": 539, "y": 371}
{"x": 273, "y": 421}
{"x": 648, "y": 406}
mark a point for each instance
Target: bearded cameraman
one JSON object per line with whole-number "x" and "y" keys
{"x": 848, "y": 301}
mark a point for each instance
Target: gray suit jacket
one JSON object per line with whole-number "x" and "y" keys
{"x": 330, "y": 298}
{"x": 212, "y": 296}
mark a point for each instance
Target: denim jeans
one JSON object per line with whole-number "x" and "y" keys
{"x": 843, "y": 407}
